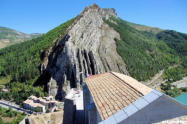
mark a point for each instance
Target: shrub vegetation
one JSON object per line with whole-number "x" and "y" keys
{"x": 17, "y": 116}
{"x": 144, "y": 54}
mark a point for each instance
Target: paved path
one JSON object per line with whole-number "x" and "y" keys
{"x": 7, "y": 104}
{"x": 156, "y": 80}
{"x": 181, "y": 83}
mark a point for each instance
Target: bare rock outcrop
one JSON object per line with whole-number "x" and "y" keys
{"x": 88, "y": 48}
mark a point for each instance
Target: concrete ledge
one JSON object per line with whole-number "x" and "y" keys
{"x": 120, "y": 116}
{"x": 158, "y": 92}
{"x": 133, "y": 108}
{"x": 130, "y": 109}
{"x": 140, "y": 103}
{"x": 150, "y": 97}
{"x": 110, "y": 120}
{"x": 160, "y": 110}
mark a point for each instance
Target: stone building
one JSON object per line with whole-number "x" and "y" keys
{"x": 31, "y": 105}
{"x": 44, "y": 104}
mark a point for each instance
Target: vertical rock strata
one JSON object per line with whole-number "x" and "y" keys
{"x": 88, "y": 48}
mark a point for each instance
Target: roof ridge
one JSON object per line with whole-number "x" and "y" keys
{"x": 143, "y": 89}
{"x": 96, "y": 75}
{"x": 126, "y": 83}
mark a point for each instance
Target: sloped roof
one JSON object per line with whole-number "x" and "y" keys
{"x": 112, "y": 92}
{"x": 134, "y": 83}
{"x": 31, "y": 103}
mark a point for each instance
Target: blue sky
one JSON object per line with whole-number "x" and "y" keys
{"x": 39, "y": 16}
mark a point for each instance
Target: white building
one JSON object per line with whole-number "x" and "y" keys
{"x": 46, "y": 103}
{"x": 29, "y": 104}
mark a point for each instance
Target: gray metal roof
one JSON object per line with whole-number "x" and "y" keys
{"x": 133, "y": 108}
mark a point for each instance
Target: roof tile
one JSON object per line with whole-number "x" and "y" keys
{"x": 112, "y": 92}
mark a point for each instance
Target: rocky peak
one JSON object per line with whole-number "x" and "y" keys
{"x": 94, "y": 11}
{"x": 103, "y": 12}
{"x": 87, "y": 49}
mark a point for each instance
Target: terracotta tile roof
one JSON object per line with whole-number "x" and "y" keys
{"x": 27, "y": 101}
{"x": 33, "y": 97}
{"x": 45, "y": 100}
{"x": 31, "y": 103}
{"x": 134, "y": 83}
{"x": 111, "y": 93}
{"x": 42, "y": 100}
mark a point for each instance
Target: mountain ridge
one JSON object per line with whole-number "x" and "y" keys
{"x": 96, "y": 41}
{"x": 86, "y": 49}
{"x": 10, "y": 36}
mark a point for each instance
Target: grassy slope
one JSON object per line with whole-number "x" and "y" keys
{"x": 144, "y": 28}
{"x": 21, "y": 62}
{"x": 9, "y": 36}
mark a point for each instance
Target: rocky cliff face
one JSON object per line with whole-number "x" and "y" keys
{"x": 88, "y": 48}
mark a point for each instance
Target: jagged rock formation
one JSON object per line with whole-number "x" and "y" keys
{"x": 88, "y": 48}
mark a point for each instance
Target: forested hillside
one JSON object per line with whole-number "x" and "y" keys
{"x": 143, "y": 53}
{"x": 178, "y": 42}
{"x": 19, "y": 64}
{"x": 148, "y": 50}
